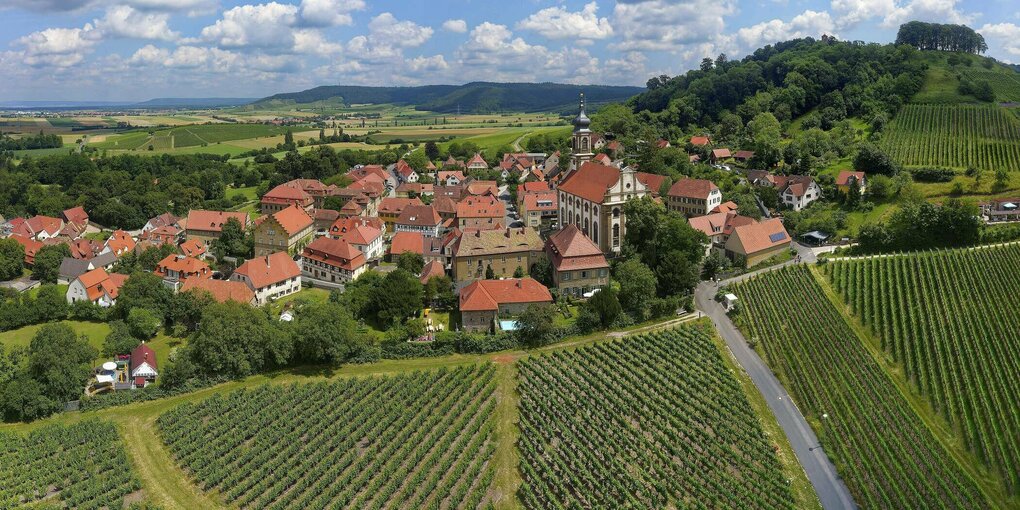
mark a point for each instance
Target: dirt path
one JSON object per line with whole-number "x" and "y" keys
{"x": 506, "y": 459}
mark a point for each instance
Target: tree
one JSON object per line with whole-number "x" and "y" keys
{"x": 637, "y": 287}
{"x": 600, "y": 311}
{"x": 707, "y": 64}
{"x": 765, "y": 133}
{"x": 439, "y": 292}
{"x": 676, "y": 274}
{"x": 327, "y": 333}
{"x": 233, "y": 241}
{"x": 489, "y": 273}
{"x": 50, "y": 304}
{"x": 542, "y": 271}
{"x": 237, "y": 340}
{"x": 143, "y": 324}
{"x": 288, "y": 139}
{"x": 144, "y": 290}
{"x": 535, "y": 325}
{"x": 12, "y": 259}
{"x": 417, "y": 160}
{"x": 46, "y": 267}
{"x": 519, "y": 272}
{"x": 119, "y": 340}
{"x": 411, "y": 262}
{"x": 872, "y": 160}
{"x": 431, "y": 151}
{"x": 1001, "y": 179}
{"x": 713, "y": 264}
{"x": 60, "y": 361}
{"x": 397, "y": 298}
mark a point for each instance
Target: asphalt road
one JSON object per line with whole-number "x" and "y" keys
{"x": 831, "y": 490}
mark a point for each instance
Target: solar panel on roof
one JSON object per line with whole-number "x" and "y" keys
{"x": 778, "y": 236}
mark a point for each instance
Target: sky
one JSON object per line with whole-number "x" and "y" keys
{"x": 126, "y": 50}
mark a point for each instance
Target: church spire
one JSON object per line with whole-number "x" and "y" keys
{"x": 581, "y": 140}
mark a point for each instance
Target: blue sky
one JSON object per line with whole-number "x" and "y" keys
{"x": 141, "y": 49}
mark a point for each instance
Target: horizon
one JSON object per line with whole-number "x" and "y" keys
{"x": 136, "y": 50}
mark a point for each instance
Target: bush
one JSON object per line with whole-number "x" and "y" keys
{"x": 933, "y": 174}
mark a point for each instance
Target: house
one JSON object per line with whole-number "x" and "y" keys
{"x": 283, "y": 231}
{"x": 284, "y": 196}
{"x": 451, "y": 162}
{"x": 119, "y": 243}
{"x": 727, "y": 206}
{"x": 502, "y": 250}
{"x": 166, "y": 234}
{"x": 143, "y": 366}
{"x": 592, "y": 197}
{"x": 481, "y": 188}
{"x": 391, "y": 208}
{"x": 315, "y": 188}
{"x": 578, "y": 263}
{"x": 614, "y": 147}
{"x": 480, "y": 212}
{"x": 603, "y": 159}
{"x": 1001, "y": 210}
{"x": 477, "y": 163}
{"x": 332, "y": 260}
{"x": 71, "y": 268}
{"x": 718, "y": 226}
{"x": 221, "y": 290}
{"x": 38, "y": 227}
{"x": 270, "y": 277}
{"x": 30, "y": 245}
{"x": 662, "y": 143}
{"x": 483, "y": 301}
{"x": 743, "y": 156}
{"x": 539, "y": 208}
{"x": 194, "y": 248}
{"x": 402, "y": 242}
{"x": 163, "y": 220}
{"x": 693, "y": 197}
{"x": 653, "y": 182}
{"x": 700, "y": 141}
{"x": 530, "y": 187}
{"x": 208, "y": 225}
{"x": 404, "y": 172}
{"x": 432, "y": 269}
{"x": 423, "y": 219}
{"x": 176, "y": 269}
{"x": 358, "y": 173}
{"x": 97, "y": 287}
{"x": 751, "y": 244}
{"x": 77, "y": 217}
{"x": 364, "y": 234}
{"x": 846, "y": 178}
{"x": 720, "y": 155}
{"x": 85, "y": 249}
{"x": 450, "y": 177}
{"x": 324, "y": 218}
{"x": 795, "y": 191}
{"x": 414, "y": 189}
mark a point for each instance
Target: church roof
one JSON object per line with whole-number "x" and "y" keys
{"x": 591, "y": 181}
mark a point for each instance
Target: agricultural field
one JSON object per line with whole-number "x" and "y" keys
{"x": 882, "y": 449}
{"x": 653, "y": 421}
{"x": 1005, "y": 83}
{"x": 957, "y": 136}
{"x": 419, "y": 440}
{"x": 80, "y": 466}
{"x": 941, "y": 316}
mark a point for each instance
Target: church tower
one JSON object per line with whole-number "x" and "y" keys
{"x": 581, "y": 141}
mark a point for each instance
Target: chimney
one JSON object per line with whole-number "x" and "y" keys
{"x": 267, "y": 261}
{"x": 520, "y": 283}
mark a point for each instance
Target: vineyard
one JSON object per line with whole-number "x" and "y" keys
{"x": 986, "y": 137}
{"x": 882, "y": 449}
{"x": 654, "y": 421}
{"x": 942, "y": 316}
{"x": 1005, "y": 84}
{"x": 81, "y": 466}
{"x": 422, "y": 440}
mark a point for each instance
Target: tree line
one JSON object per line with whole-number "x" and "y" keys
{"x": 941, "y": 37}
{"x": 39, "y": 141}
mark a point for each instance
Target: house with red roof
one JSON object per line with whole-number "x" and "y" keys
{"x": 578, "y": 263}
{"x": 270, "y": 277}
{"x": 653, "y": 182}
{"x": 364, "y": 234}
{"x": 404, "y": 172}
{"x": 795, "y": 191}
{"x": 208, "y": 225}
{"x": 484, "y": 301}
{"x": 85, "y": 249}
{"x": 175, "y": 269}
{"x": 384, "y": 177}
{"x": 285, "y": 231}
{"x": 391, "y": 208}
{"x": 193, "y": 248}
{"x": 693, "y": 197}
{"x": 332, "y": 260}
{"x": 143, "y": 366}
{"x": 284, "y": 196}
{"x": 166, "y": 234}
{"x": 538, "y": 208}
{"x": 450, "y": 177}
{"x": 38, "y": 227}
{"x": 314, "y": 187}
{"x": 484, "y": 212}
{"x": 846, "y": 178}
{"x": 700, "y": 141}
{"x": 592, "y": 197}
{"x": 119, "y": 243}
{"x": 477, "y": 163}
{"x": 402, "y": 242}
{"x": 603, "y": 158}
{"x": 743, "y": 156}
{"x": 30, "y": 245}
{"x": 221, "y": 290}
{"x": 662, "y": 143}
{"x": 415, "y": 189}
{"x": 163, "y": 220}
{"x": 77, "y": 216}
{"x": 480, "y": 188}
{"x": 432, "y": 269}
{"x": 751, "y": 244}
{"x": 720, "y": 154}
{"x": 718, "y": 226}
{"x": 97, "y": 287}
{"x": 423, "y": 219}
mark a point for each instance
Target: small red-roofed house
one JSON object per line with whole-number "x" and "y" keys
{"x": 143, "y": 366}
{"x": 846, "y": 178}
{"x": 751, "y": 244}
{"x": 483, "y": 301}
{"x": 97, "y": 287}
{"x": 720, "y": 155}
{"x": 485, "y": 212}
{"x": 700, "y": 141}
{"x": 119, "y": 243}
{"x": 718, "y": 227}
{"x": 390, "y": 209}
{"x": 30, "y": 245}
{"x": 404, "y": 172}
{"x": 743, "y": 156}
{"x": 365, "y": 234}
{"x": 477, "y": 163}
{"x": 194, "y": 248}
{"x": 175, "y": 269}
{"x": 39, "y": 227}
{"x": 402, "y": 242}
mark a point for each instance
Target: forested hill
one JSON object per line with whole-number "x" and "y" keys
{"x": 476, "y": 97}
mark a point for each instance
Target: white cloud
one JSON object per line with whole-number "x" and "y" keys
{"x": 427, "y": 64}
{"x": 492, "y": 44}
{"x": 149, "y": 54}
{"x": 457, "y": 26}
{"x": 124, "y": 21}
{"x": 323, "y": 13}
{"x": 405, "y": 34}
{"x": 559, "y": 23}
{"x": 940, "y": 11}
{"x": 264, "y": 26}
{"x": 59, "y": 47}
{"x": 807, "y": 24}
{"x": 665, "y": 25}
{"x": 851, "y": 12}
{"x": 313, "y": 42}
{"x": 1004, "y": 37}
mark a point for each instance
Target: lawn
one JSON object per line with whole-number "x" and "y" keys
{"x": 95, "y": 331}
{"x": 305, "y": 295}
{"x": 248, "y": 193}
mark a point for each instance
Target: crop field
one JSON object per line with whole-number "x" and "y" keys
{"x": 421, "y": 440}
{"x": 941, "y": 316}
{"x": 1005, "y": 84}
{"x": 957, "y": 136}
{"x": 653, "y": 421}
{"x": 80, "y": 466}
{"x": 882, "y": 449}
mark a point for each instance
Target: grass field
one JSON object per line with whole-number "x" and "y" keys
{"x": 96, "y": 333}
{"x": 934, "y": 314}
{"x": 888, "y": 456}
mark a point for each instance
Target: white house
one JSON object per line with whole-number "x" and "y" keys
{"x": 270, "y": 277}
{"x": 96, "y": 286}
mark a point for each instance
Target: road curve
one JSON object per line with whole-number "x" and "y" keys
{"x": 831, "y": 490}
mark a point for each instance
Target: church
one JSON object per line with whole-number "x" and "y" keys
{"x": 592, "y": 195}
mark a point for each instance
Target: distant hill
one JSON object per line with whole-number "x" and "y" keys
{"x": 476, "y": 97}
{"x": 193, "y": 102}
{"x": 163, "y": 102}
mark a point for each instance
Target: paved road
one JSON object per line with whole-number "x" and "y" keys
{"x": 831, "y": 490}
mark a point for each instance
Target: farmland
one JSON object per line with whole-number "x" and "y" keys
{"x": 957, "y": 136}
{"x": 885, "y": 453}
{"x": 424, "y": 439}
{"x": 81, "y": 466}
{"x": 940, "y": 316}
{"x": 654, "y": 421}
{"x": 1005, "y": 84}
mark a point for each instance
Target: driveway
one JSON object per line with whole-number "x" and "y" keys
{"x": 831, "y": 490}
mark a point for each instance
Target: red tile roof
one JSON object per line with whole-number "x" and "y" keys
{"x": 334, "y": 252}
{"x": 446, "y": 174}
{"x": 662, "y": 143}
{"x": 692, "y": 188}
{"x": 212, "y": 221}
{"x": 395, "y": 206}
{"x": 357, "y": 229}
{"x": 187, "y": 266}
{"x": 404, "y": 169}
{"x": 756, "y": 237}
{"x": 843, "y": 179}
{"x": 360, "y": 173}
{"x": 193, "y": 248}
{"x": 700, "y": 140}
{"x": 265, "y": 271}
{"x": 719, "y": 223}
{"x": 532, "y": 186}
{"x": 85, "y": 249}
{"x": 487, "y": 295}
{"x": 143, "y": 354}
{"x": 743, "y": 155}
{"x": 431, "y": 270}
{"x": 407, "y": 241}
{"x": 76, "y": 215}
{"x": 591, "y": 181}
{"x": 39, "y": 224}
{"x": 221, "y": 290}
{"x": 481, "y": 207}
{"x": 477, "y": 160}
{"x": 569, "y": 250}
{"x": 30, "y": 245}
{"x": 419, "y": 215}
{"x": 293, "y": 220}
{"x": 98, "y": 282}
{"x": 285, "y": 193}
{"x": 120, "y": 242}
{"x": 727, "y": 206}
{"x": 540, "y": 201}
{"x": 721, "y": 153}
{"x": 482, "y": 188}
{"x": 163, "y": 220}
{"x": 603, "y": 159}
{"x": 651, "y": 181}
